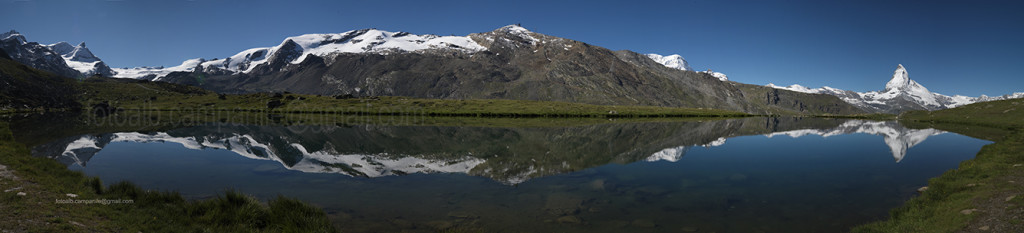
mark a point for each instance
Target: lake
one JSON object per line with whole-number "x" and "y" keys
{"x": 726, "y": 175}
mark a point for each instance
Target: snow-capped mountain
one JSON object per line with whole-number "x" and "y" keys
{"x": 35, "y": 55}
{"x": 901, "y": 94}
{"x": 367, "y": 41}
{"x": 79, "y": 57}
{"x": 675, "y": 61}
{"x": 294, "y": 50}
{"x": 510, "y": 62}
{"x": 60, "y": 58}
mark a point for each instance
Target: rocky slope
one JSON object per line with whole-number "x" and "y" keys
{"x": 508, "y": 63}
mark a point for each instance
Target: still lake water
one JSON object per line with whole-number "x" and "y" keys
{"x": 735, "y": 175}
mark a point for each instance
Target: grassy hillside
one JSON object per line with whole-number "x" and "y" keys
{"x": 144, "y": 95}
{"x": 1007, "y": 114}
{"x": 985, "y": 193}
{"x": 23, "y": 88}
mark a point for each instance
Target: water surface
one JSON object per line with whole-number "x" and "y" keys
{"x": 735, "y": 175}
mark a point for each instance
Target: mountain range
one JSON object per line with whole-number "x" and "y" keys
{"x": 901, "y": 94}
{"x": 510, "y": 62}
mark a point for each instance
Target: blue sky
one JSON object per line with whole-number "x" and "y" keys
{"x": 951, "y": 47}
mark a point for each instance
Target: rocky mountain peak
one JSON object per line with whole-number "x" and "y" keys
{"x": 82, "y": 54}
{"x": 34, "y": 54}
{"x": 512, "y": 33}
{"x": 13, "y": 35}
{"x": 62, "y": 48}
{"x": 514, "y": 28}
{"x": 900, "y": 79}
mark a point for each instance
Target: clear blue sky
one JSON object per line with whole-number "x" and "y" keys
{"x": 958, "y": 47}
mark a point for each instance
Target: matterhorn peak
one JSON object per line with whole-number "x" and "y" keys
{"x": 900, "y": 79}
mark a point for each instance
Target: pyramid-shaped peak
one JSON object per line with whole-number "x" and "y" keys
{"x": 900, "y": 79}
{"x": 81, "y": 45}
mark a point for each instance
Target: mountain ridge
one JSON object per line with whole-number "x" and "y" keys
{"x": 900, "y": 94}
{"x": 510, "y": 62}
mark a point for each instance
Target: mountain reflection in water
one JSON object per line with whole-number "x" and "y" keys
{"x": 508, "y": 155}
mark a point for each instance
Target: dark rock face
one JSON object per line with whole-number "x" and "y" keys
{"x": 288, "y": 52}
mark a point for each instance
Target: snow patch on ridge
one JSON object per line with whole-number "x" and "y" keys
{"x": 673, "y": 61}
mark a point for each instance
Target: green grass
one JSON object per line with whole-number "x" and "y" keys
{"x": 150, "y": 211}
{"x": 1008, "y": 114}
{"x": 141, "y": 95}
{"x": 974, "y": 181}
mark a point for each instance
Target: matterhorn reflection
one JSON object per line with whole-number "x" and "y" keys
{"x": 898, "y": 138}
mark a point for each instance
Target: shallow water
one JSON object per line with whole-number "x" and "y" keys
{"x": 736, "y": 175}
